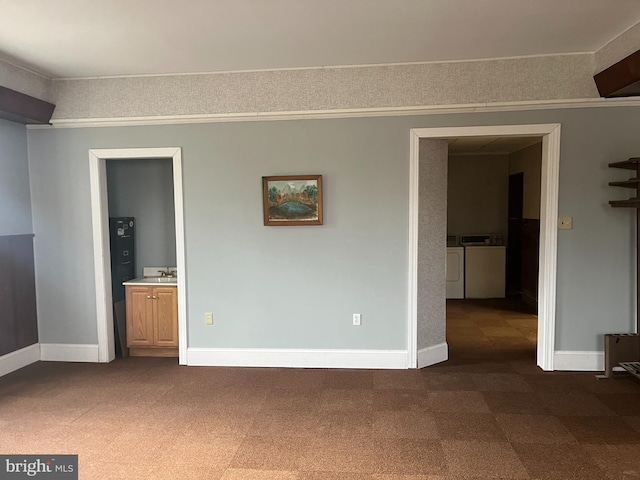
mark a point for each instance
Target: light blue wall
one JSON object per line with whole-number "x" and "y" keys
{"x": 296, "y": 287}
{"x": 143, "y": 188}
{"x": 15, "y": 201}
{"x": 288, "y": 287}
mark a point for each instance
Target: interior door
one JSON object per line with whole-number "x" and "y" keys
{"x": 166, "y": 315}
{"x": 515, "y": 233}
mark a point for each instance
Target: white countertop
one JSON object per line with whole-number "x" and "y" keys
{"x": 153, "y": 281}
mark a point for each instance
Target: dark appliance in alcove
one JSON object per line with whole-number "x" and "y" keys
{"x": 123, "y": 268}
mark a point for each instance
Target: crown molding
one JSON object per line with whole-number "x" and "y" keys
{"x": 340, "y": 113}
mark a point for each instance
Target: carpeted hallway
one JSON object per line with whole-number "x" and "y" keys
{"x": 488, "y": 413}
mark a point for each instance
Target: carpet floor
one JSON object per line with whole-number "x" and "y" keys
{"x": 487, "y": 413}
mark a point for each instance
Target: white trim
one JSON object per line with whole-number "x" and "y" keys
{"x": 579, "y": 361}
{"x": 264, "y": 357}
{"x": 548, "y": 223}
{"x": 20, "y": 358}
{"x": 414, "y": 210}
{"x": 548, "y": 250}
{"x": 340, "y": 113}
{"x": 432, "y": 355}
{"x": 101, "y": 250}
{"x": 181, "y": 263}
{"x": 101, "y": 256}
{"x": 69, "y": 352}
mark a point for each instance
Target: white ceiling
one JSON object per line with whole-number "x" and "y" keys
{"x": 78, "y": 38}
{"x": 489, "y": 145}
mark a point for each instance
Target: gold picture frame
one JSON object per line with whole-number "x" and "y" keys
{"x": 292, "y": 200}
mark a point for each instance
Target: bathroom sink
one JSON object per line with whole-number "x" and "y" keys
{"x": 152, "y": 281}
{"x": 160, "y": 279}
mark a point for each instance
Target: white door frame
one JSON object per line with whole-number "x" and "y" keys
{"x": 101, "y": 249}
{"x": 550, "y": 134}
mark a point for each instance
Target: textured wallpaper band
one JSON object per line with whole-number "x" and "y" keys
{"x": 617, "y": 49}
{"x": 429, "y": 84}
{"x": 525, "y": 79}
{"x": 24, "y": 81}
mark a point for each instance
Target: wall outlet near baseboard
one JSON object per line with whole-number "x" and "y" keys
{"x": 208, "y": 318}
{"x": 357, "y": 318}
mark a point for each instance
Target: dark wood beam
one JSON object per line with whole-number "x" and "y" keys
{"x": 621, "y": 79}
{"x": 21, "y": 108}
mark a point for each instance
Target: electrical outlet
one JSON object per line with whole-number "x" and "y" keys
{"x": 356, "y": 318}
{"x": 208, "y": 318}
{"x": 565, "y": 223}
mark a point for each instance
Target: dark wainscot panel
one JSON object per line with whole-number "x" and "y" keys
{"x": 18, "y": 318}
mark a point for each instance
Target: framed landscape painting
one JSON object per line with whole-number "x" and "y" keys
{"x": 292, "y": 200}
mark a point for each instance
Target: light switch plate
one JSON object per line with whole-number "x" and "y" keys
{"x": 565, "y": 223}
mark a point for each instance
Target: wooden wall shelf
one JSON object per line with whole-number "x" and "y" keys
{"x": 621, "y": 79}
{"x": 631, "y": 183}
{"x": 631, "y": 164}
{"x": 624, "y": 349}
{"x": 20, "y": 108}
{"x": 630, "y": 203}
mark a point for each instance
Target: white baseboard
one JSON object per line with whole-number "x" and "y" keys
{"x": 432, "y": 355}
{"x": 245, "y": 357}
{"x": 20, "y": 358}
{"x": 68, "y": 352}
{"x": 263, "y": 357}
{"x": 578, "y": 361}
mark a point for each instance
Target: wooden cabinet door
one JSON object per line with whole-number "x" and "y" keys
{"x": 166, "y": 316}
{"x": 139, "y": 316}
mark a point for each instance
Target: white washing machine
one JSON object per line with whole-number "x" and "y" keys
{"x": 485, "y": 271}
{"x": 455, "y": 272}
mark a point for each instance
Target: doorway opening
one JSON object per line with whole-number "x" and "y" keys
{"x": 143, "y": 244}
{"x": 432, "y": 350}
{"x": 102, "y": 253}
{"x": 493, "y": 230}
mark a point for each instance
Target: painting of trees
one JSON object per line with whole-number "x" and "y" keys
{"x": 292, "y": 200}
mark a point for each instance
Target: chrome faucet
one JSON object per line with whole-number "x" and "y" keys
{"x": 167, "y": 273}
